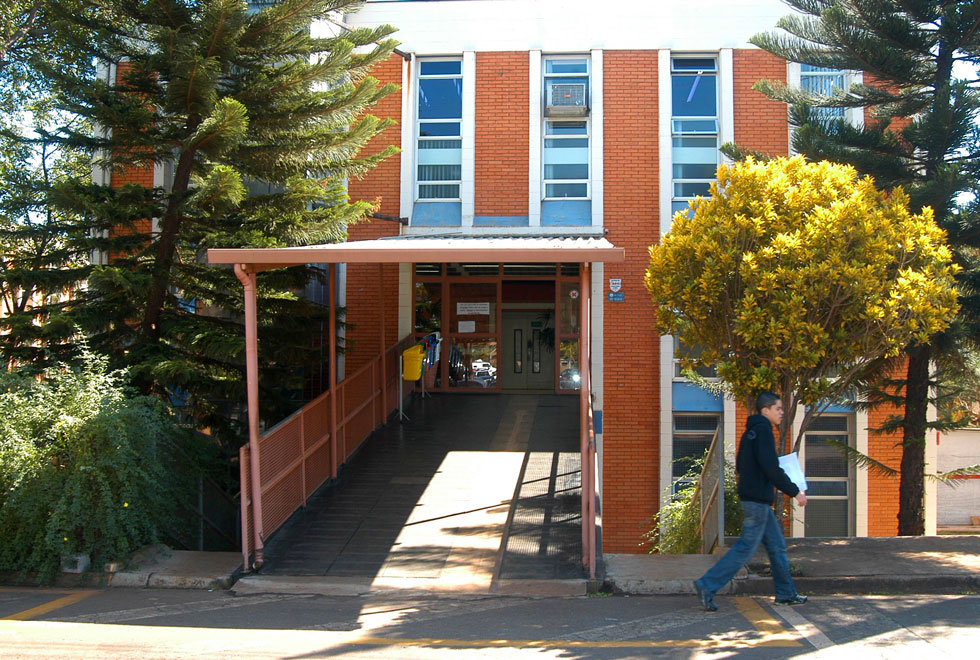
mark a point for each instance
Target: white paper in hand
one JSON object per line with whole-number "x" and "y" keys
{"x": 791, "y": 466}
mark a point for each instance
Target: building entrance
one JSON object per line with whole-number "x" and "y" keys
{"x": 504, "y": 327}
{"x": 528, "y": 355}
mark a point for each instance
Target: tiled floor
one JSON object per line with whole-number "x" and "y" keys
{"x": 471, "y": 489}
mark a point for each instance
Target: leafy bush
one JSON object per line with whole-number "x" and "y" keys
{"x": 675, "y": 530}
{"x": 85, "y": 467}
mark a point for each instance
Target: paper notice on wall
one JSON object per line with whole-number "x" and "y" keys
{"x": 467, "y": 326}
{"x": 472, "y": 308}
{"x": 791, "y": 466}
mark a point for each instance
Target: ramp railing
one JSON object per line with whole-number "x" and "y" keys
{"x": 710, "y": 494}
{"x": 297, "y": 455}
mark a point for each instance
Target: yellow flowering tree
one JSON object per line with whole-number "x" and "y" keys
{"x": 798, "y": 278}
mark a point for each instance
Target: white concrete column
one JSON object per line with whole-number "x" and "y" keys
{"x": 730, "y": 431}
{"x": 930, "y": 499}
{"x": 797, "y": 525}
{"x": 666, "y": 414}
{"x": 663, "y": 134}
{"x": 861, "y": 475}
{"x": 406, "y": 200}
{"x": 467, "y": 187}
{"x": 726, "y": 96}
{"x": 596, "y": 156}
{"x": 598, "y": 361}
{"x": 792, "y": 80}
{"x": 535, "y": 101}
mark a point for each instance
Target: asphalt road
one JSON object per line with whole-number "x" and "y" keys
{"x": 151, "y": 624}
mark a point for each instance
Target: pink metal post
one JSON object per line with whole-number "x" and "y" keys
{"x": 247, "y": 278}
{"x": 332, "y": 370}
{"x": 384, "y": 367}
{"x": 585, "y": 393}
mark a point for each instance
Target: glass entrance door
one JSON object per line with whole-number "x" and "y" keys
{"x": 528, "y": 355}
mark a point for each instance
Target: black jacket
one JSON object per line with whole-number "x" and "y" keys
{"x": 758, "y": 466}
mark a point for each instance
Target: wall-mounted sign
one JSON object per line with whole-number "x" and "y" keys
{"x": 573, "y": 294}
{"x": 617, "y": 296}
{"x": 472, "y": 308}
{"x": 615, "y": 284}
{"x": 467, "y": 326}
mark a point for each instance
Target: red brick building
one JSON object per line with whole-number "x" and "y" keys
{"x": 557, "y": 119}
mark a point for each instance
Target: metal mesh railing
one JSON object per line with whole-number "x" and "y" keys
{"x": 296, "y": 455}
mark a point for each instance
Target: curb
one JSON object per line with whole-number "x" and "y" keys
{"x": 861, "y": 584}
{"x": 141, "y": 580}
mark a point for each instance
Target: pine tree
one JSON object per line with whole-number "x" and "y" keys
{"x": 921, "y": 135}
{"x": 36, "y": 257}
{"x": 258, "y": 121}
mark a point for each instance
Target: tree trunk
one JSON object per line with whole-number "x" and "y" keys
{"x": 911, "y": 512}
{"x": 167, "y": 242}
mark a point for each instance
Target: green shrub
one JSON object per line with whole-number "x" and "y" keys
{"x": 85, "y": 467}
{"x": 675, "y": 530}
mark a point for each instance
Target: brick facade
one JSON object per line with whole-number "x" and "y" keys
{"x": 502, "y": 98}
{"x": 631, "y": 162}
{"x": 631, "y": 421}
{"x": 760, "y": 123}
{"x": 365, "y": 294}
{"x": 886, "y": 448}
{"x": 136, "y": 174}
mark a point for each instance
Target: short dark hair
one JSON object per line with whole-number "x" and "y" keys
{"x": 766, "y": 400}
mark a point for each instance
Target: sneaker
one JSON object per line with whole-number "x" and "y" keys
{"x": 795, "y": 600}
{"x": 707, "y": 600}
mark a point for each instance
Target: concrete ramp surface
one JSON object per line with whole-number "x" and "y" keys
{"x": 472, "y": 493}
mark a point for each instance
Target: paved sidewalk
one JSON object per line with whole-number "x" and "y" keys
{"x": 927, "y": 564}
{"x": 924, "y": 565}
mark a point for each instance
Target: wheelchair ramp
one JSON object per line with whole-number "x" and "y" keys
{"x": 472, "y": 490}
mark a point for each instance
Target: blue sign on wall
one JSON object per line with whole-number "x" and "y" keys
{"x": 617, "y": 296}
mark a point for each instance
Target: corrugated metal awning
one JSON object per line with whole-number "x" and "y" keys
{"x": 425, "y": 249}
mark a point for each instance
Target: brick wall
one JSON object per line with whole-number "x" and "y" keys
{"x": 140, "y": 174}
{"x": 887, "y": 448}
{"x": 760, "y": 123}
{"x": 365, "y": 294}
{"x": 502, "y": 159}
{"x": 631, "y": 421}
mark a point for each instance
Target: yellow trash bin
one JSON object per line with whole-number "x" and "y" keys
{"x": 412, "y": 362}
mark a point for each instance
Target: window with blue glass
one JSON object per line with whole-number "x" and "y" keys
{"x": 440, "y": 117}
{"x": 565, "y": 153}
{"x": 823, "y": 81}
{"x": 693, "y": 128}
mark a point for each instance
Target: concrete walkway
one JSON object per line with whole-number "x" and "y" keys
{"x": 927, "y": 564}
{"x": 472, "y": 492}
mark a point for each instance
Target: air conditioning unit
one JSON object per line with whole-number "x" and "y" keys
{"x": 566, "y": 100}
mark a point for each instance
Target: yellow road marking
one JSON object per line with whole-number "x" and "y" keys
{"x": 764, "y": 622}
{"x": 50, "y": 606}
{"x": 713, "y": 642}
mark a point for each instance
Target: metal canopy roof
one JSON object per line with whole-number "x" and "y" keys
{"x": 433, "y": 248}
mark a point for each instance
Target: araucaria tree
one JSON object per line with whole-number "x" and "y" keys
{"x": 798, "y": 278}
{"x": 919, "y": 133}
{"x": 252, "y": 124}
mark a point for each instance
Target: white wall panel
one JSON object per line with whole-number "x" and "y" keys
{"x": 571, "y": 25}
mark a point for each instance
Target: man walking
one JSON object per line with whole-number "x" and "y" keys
{"x": 758, "y": 474}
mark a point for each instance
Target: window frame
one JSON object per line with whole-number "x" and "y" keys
{"x": 676, "y": 131}
{"x": 677, "y": 373}
{"x": 419, "y": 139}
{"x": 850, "y": 419}
{"x": 794, "y": 79}
{"x": 679, "y": 483}
{"x": 546, "y": 121}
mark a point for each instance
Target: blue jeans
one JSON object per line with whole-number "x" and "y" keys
{"x": 760, "y": 526}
